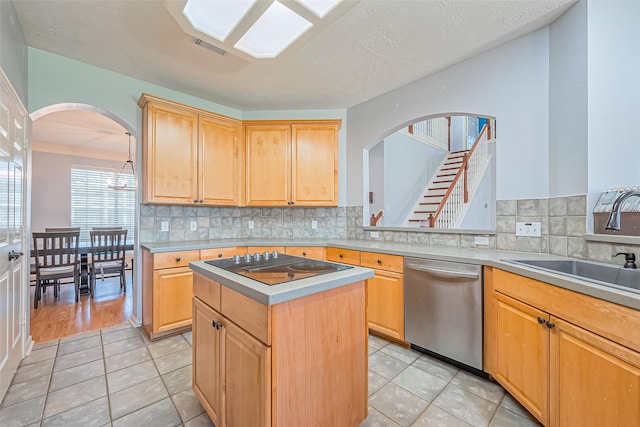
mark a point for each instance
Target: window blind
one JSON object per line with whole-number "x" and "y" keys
{"x": 94, "y": 204}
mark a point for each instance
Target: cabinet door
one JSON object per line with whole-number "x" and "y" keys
{"x": 172, "y": 293}
{"x": 522, "y": 365}
{"x": 268, "y": 165}
{"x": 247, "y": 374}
{"x": 207, "y": 379}
{"x": 221, "y": 166}
{"x": 170, "y": 156}
{"x": 314, "y": 164}
{"x": 595, "y": 382}
{"x": 385, "y": 303}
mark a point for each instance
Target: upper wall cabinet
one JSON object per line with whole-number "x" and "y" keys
{"x": 190, "y": 156}
{"x": 292, "y": 163}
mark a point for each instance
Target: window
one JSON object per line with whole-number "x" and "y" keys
{"x": 94, "y": 204}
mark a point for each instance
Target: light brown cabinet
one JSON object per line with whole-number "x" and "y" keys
{"x": 167, "y": 289}
{"x": 385, "y": 291}
{"x": 292, "y": 163}
{"x": 190, "y": 156}
{"x": 313, "y": 252}
{"x": 252, "y": 363}
{"x": 567, "y": 357}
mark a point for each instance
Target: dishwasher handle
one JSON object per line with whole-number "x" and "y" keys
{"x": 441, "y": 272}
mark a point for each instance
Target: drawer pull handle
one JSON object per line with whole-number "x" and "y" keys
{"x": 178, "y": 259}
{"x": 541, "y": 320}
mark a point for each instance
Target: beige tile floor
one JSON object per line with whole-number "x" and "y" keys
{"x": 116, "y": 377}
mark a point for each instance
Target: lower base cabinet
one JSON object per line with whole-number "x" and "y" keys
{"x": 570, "y": 359}
{"x": 231, "y": 354}
{"x": 298, "y": 363}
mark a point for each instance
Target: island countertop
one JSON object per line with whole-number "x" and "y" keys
{"x": 275, "y": 294}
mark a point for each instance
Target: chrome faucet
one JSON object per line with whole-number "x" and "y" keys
{"x": 613, "y": 223}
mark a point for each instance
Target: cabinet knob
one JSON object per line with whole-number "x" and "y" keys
{"x": 541, "y": 320}
{"x": 550, "y": 325}
{"x": 304, "y": 254}
{"x": 195, "y": 200}
{"x": 379, "y": 261}
{"x": 216, "y": 324}
{"x": 219, "y": 255}
{"x": 340, "y": 255}
{"x": 178, "y": 259}
{"x": 200, "y": 201}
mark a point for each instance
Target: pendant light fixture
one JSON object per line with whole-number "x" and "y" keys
{"x": 120, "y": 182}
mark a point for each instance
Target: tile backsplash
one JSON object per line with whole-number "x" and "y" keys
{"x": 563, "y": 226}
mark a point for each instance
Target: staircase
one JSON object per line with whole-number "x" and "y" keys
{"x": 436, "y": 189}
{"x": 446, "y": 198}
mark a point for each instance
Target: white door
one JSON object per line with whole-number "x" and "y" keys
{"x": 14, "y": 126}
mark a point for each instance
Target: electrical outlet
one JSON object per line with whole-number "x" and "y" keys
{"x": 164, "y": 226}
{"x": 193, "y": 226}
{"x": 375, "y": 234}
{"x": 250, "y": 224}
{"x": 481, "y": 240}
{"x": 314, "y": 224}
{"x": 528, "y": 229}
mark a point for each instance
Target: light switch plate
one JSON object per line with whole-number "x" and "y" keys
{"x": 528, "y": 229}
{"x": 164, "y": 226}
{"x": 375, "y": 234}
{"x": 250, "y": 224}
{"x": 314, "y": 224}
{"x": 193, "y": 226}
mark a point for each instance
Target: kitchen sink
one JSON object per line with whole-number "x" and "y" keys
{"x": 596, "y": 272}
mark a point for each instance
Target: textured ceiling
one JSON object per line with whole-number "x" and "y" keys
{"x": 375, "y": 47}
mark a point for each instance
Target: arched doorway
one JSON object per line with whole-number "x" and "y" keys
{"x": 75, "y": 147}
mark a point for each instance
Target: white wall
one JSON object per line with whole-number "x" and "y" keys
{"x": 51, "y": 187}
{"x": 509, "y": 82}
{"x": 481, "y": 214}
{"x": 376, "y": 179}
{"x": 568, "y": 138}
{"x": 408, "y": 166}
{"x": 13, "y": 50}
{"x": 614, "y": 96}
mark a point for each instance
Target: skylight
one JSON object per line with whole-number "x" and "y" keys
{"x": 273, "y": 32}
{"x": 216, "y": 18}
{"x": 256, "y": 29}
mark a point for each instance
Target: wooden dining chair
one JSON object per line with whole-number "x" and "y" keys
{"x": 56, "y": 257}
{"x": 107, "y": 256}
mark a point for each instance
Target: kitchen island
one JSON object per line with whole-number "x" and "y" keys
{"x": 286, "y": 355}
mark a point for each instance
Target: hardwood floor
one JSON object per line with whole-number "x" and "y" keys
{"x": 62, "y": 317}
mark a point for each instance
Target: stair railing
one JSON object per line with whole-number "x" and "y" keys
{"x": 457, "y": 195}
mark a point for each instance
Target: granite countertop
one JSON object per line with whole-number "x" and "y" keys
{"x": 493, "y": 258}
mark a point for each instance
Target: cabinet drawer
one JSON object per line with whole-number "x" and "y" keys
{"x": 253, "y": 249}
{"x": 215, "y": 253}
{"x": 344, "y": 256}
{"x": 174, "y": 259}
{"x": 207, "y": 290}
{"x": 381, "y": 261}
{"x": 316, "y": 252}
{"x": 247, "y": 313}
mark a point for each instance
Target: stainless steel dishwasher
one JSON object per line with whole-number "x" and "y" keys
{"x": 443, "y": 309}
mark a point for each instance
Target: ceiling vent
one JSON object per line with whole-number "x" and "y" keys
{"x": 209, "y": 46}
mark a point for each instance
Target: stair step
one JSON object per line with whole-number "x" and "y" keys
{"x": 446, "y": 174}
{"x": 443, "y": 181}
{"x": 428, "y": 203}
{"x": 459, "y": 151}
{"x": 450, "y": 169}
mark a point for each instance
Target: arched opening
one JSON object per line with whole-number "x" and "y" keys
{"x": 418, "y": 170}
{"x": 76, "y": 150}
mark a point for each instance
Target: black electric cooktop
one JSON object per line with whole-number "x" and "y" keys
{"x": 273, "y": 268}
